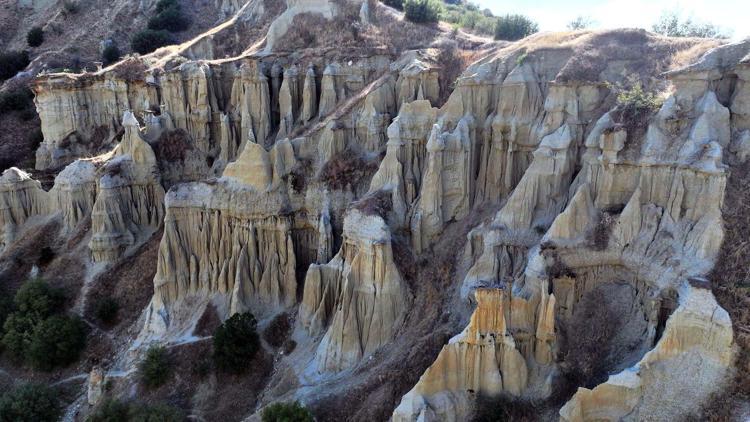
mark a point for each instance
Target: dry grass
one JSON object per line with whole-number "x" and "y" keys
{"x": 173, "y": 145}
{"x": 597, "y": 238}
{"x": 132, "y": 69}
{"x": 730, "y": 281}
{"x": 377, "y": 203}
{"x": 347, "y": 168}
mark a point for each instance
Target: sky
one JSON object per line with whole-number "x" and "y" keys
{"x": 554, "y": 15}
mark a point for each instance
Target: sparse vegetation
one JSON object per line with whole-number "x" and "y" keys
{"x": 110, "y": 411}
{"x": 286, "y": 412}
{"x": 671, "y": 25}
{"x": 131, "y": 70}
{"x": 236, "y": 342}
{"x": 635, "y": 105}
{"x": 117, "y": 411}
{"x": 155, "y": 413}
{"x": 29, "y": 403}
{"x": 148, "y": 40}
{"x": 106, "y": 310}
{"x": 422, "y": 11}
{"x": 12, "y": 62}
{"x": 277, "y": 330}
{"x": 156, "y": 368}
{"x": 580, "y": 22}
{"x": 345, "y": 169}
{"x": 469, "y": 17}
{"x": 35, "y": 37}
{"x": 71, "y": 6}
{"x": 514, "y": 27}
{"x": 173, "y": 145}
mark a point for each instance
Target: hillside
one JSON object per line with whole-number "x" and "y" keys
{"x": 425, "y": 224}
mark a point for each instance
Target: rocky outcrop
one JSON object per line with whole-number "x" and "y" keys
{"x": 358, "y": 298}
{"x": 129, "y": 202}
{"x": 483, "y": 359}
{"x": 21, "y": 198}
{"x": 690, "y": 360}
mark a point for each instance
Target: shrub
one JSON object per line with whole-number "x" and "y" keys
{"x": 17, "y": 331}
{"x": 580, "y": 22}
{"x": 396, "y": 4}
{"x": 422, "y": 11}
{"x": 171, "y": 19}
{"x": 155, "y": 413}
{"x": 106, "y": 310}
{"x": 12, "y": 62}
{"x": 29, "y": 403}
{"x": 277, "y": 330}
{"x": 110, "y": 411}
{"x": 156, "y": 368}
{"x": 236, "y": 343}
{"x": 110, "y": 54}
{"x": 71, "y": 6}
{"x": 514, "y": 27}
{"x": 56, "y": 341}
{"x": 148, "y": 40}
{"x": 18, "y": 99}
{"x": 35, "y": 137}
{"x": 635, "y": 105}
{"x": 37, "y": 299}
{"x": 669, "y": 24}
{"x": 163, "y": 5}
{"x": 6, "y": 307}
{"x": 35, "y": 37}
{"x": 286, "y": 412}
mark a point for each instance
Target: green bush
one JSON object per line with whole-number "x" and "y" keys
{"x": 35, "y": 37}
{"x": 156, "y": 367}
{"x": 57, "y": 341}
{"x": 514, "y": 27}
{"x": 17, "y": 332}
{"x": 148, "y": 40}
{"x": 11, "y": 63}
{"x": 110, "y": 411}
{"x": 422, "y": 11}
{"x": 286, "y": 412}
{"x": 235, "y": 343}
{"x": 110, "y": 54}
{"x": 18, "y": 99}
{"x": 38, "y": 299}
{"x": 171, "y": 19}
{"x": 396, "y": 4}
{"x": 155, "y": 413}
{"x": 163, "y": 5}
{"x": 29, "y": 403}
{"x": 106, "y": 310}
{"x": 636, "y": 98}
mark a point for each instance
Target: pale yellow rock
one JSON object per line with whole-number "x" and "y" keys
{"x": 130, "y": 199}
{"x": 482, "y": 359}
{"x": 21, "y": 198}
{"x": 360, "y": 293}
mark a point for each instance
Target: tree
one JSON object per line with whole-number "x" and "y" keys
{"x": 286, "y": 412}
{"x": 155, "y": 413}
{"x": 514, "y": 27}
{"x": 35, "y": 37}
{"x": 171, "y": 19}
{"x": 396, "y": 4}
{"x": 38, "y": 299}
{"x": 670, "y": 24}
{"x": 110, "y": 411}
{"x": 106, "y": 310}
{"x": 56, "y": 341}
{"x": 580, "y": 22}
{"x": 12, "y": 62}
{"x": 422, "y": 11}
{"x": 29, "y": 403}
{"x": 235, "y": 343}
{"x": 156, "y": 368}
{"x": 148, "y": 40}
{"x": 110, "y": 54}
